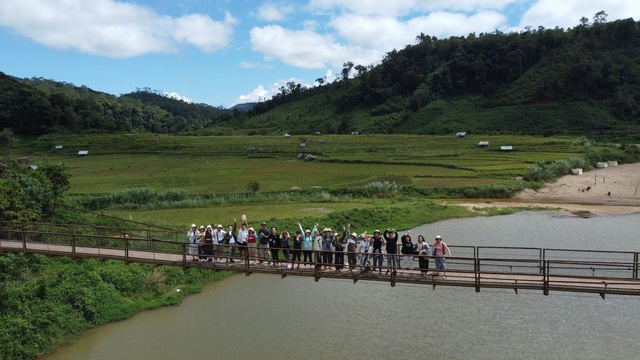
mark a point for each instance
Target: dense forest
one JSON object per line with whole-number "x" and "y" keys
{"x": 583, "y": 80}
{"x": 37, "y": 106}
{"x": 538, "y": 81}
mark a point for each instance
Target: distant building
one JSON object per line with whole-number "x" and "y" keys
{"x": 59, "y": 147}
{"x": 23, "y": 160}
{"x": 286, "y": 136}
{"x": 506, "y": 147}
{"x": 461, "y": 134}
{"x": 484, "y": 143}
{"x": 33, "y": 167}
{"x": 309, "y": 158}
{"x": 83, "y": 153}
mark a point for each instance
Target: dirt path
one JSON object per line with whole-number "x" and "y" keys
{"x": 610, "y": 191}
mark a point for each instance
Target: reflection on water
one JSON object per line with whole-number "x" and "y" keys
{"x": 266, "y": 317}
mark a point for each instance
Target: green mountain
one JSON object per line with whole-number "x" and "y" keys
{"x": 37, "y": 106}
{"x": 584, "y": 80}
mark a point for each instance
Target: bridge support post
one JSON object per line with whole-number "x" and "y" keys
{"x": 635, "y": 265}
{"x": 24, "y": 242}
{"x": 476, "y": 270}
{"x": 73, "y": 246}
{"x": 545, "y": 277}
{"x": 126, "y": 249}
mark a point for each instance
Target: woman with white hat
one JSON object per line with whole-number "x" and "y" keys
{"x": 439, "y": 250}
{"x": 351, "y": 250}
{"x": 193, "y": 236}
{"x": 307, "y": 245}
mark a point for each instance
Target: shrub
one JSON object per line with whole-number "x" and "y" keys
{"x": 381, "y": 189}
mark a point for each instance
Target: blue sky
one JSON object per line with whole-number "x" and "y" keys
{"x": 232, "y": 51}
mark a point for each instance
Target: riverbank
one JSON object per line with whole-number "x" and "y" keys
{"x": 610, "y": 191}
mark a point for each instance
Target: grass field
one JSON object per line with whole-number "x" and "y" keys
{"x": 225, "y": 165}
{"x": 228, "y": 165}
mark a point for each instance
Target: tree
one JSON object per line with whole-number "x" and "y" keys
{"x": 346, "y": 71}
{"x": 6, "y": 140}
{"x": 600, "y": 17}
{"x": 320, "y": 81}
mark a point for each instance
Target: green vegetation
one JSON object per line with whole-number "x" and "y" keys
{"x": 47, "y": 301}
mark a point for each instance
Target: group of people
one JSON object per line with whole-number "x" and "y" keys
{"x": 311, "y": 247}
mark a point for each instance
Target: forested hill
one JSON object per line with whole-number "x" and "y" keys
{"x": 38, "y": 106}
{"x": 539, "y": 81}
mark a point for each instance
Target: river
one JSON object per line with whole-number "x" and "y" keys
{"x": 265, "y": 317}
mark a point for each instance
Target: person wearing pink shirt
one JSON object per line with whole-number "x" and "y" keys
{"x": 439, "y": 250}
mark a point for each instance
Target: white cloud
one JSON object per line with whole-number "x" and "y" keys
{"x": 261, "y": 94}
{"x": 176, "y": 96}
{"x": 110, "y": 28}
{"x": 305, "y": 49}
{"x": 567, "y": 14}
{"x": 273, "y": 12}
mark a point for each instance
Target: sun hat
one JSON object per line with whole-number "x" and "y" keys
{"x": 194, "y": 225}
{"x": 219, "y": 225}
{"x": 251, "y": 229}
{"x": 263, "y": 223}
{"x": 308, "y": 231}
{"x": 376, "y": 231}
{"x": 326, "y": 229}
{"x": 201, "y": 226}
{"x": 354, "y": 234}
{"x": 209, "y": 227}
{"x": 438, "y": 237}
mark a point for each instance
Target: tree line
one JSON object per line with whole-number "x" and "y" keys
{"x": 38, "y": 106}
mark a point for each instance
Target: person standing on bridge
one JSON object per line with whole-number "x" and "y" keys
{"x": 251, "y": 245}
{"x": 218, "y": 240}
{"x": 351, "y": 250}
{"x": 307, "y": 244}
{"x": 327, "y": 249}
{"x": 263, "y": 242}
{"x": 274, "y": 246}
{"x": 391, "y": 237}
{"x": 230, "y": 240}
{"x": 208, "y": 243}
{"x": 407, "y": 250}
{"x": 378, "y": 243}
{"x": 422, "y": 249}
{"x": 439, "y": 250}
{"x": 297, "y": 248}
{"x": 193, "y": 236}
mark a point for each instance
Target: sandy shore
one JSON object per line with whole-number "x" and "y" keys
{"x": 611, "y": 191}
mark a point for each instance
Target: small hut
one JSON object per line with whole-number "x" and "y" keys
{"x": 483, "y": 144}
{"x": 461, "y": 134}
{"x": 23, "y": 160}
{"x": 506, "y": 148}
{"x": 83, "y": 153}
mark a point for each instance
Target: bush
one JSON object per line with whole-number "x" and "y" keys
{"x": 382, "y": 189}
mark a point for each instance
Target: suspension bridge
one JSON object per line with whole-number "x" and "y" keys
{"x": 477, "y": 267}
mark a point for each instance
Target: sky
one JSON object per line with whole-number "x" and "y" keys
{"x": 225, "y": 52}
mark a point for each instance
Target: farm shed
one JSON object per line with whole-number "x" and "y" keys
{"x": 286, "y": 136}
{"x": 23, "y": 160}
{"x": 33, "y": 167}
{"x": 59, "y": 147}
{"x": 83, "y": 153}
{"x": 602, "y": 165}
{"x": 612, "y": 163}
{"x": 309, "y": 158}
{"x": 461, "y": 134}
{"x": 506, "y": 147}
{"x": 484, "y": 143}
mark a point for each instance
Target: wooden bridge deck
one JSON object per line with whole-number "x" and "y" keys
{"x": 508, "y": 268}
